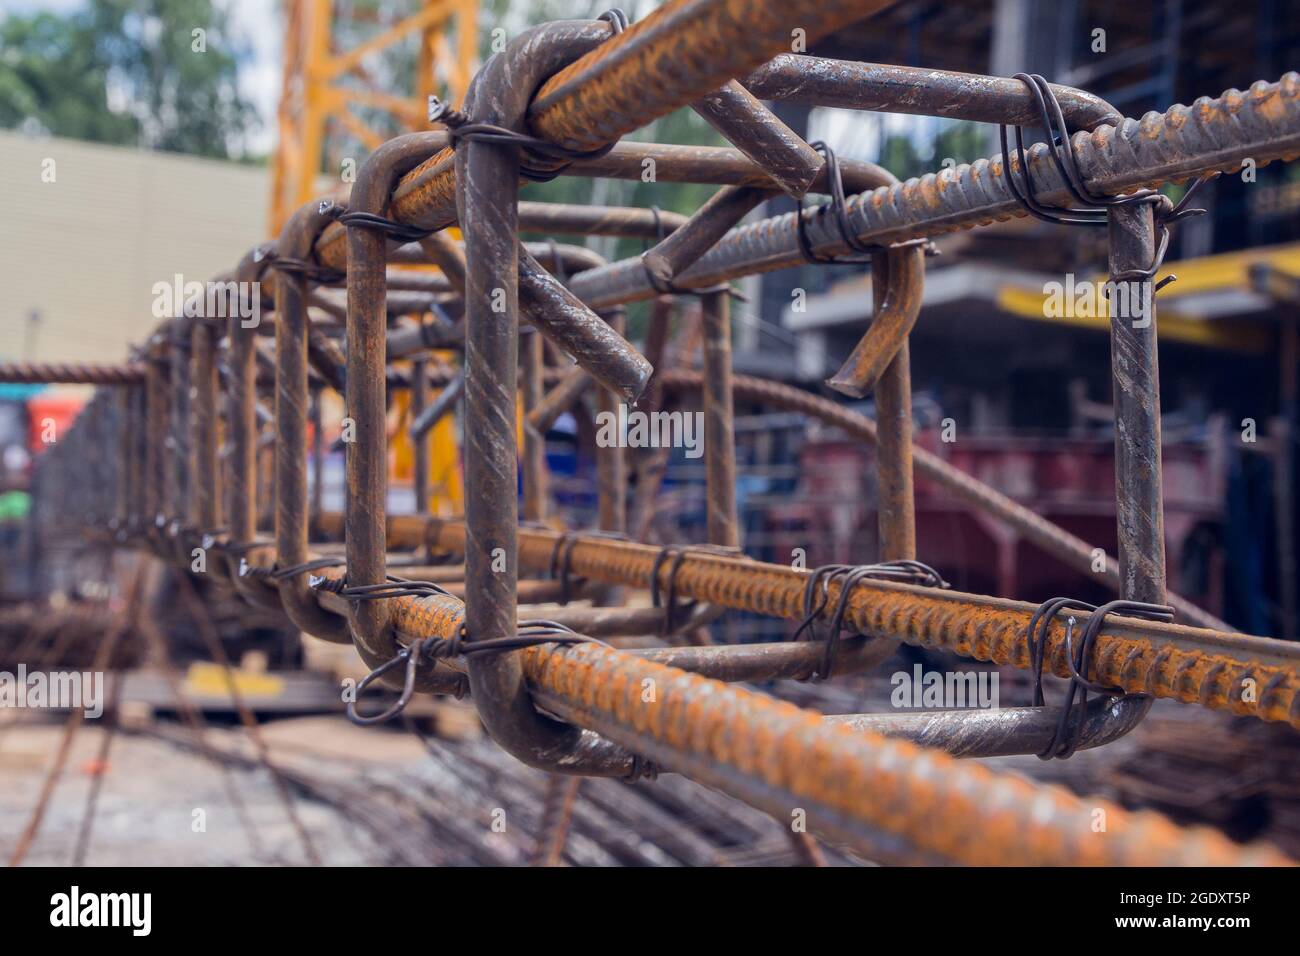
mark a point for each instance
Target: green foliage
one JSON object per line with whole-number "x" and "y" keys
{"x": 961, "y": 142}
{"x": 128, "y": 72}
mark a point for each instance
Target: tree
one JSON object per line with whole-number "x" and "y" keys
{"x": 154, "y": 73}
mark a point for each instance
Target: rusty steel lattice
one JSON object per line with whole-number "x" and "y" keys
{"x": 556, "y": 102}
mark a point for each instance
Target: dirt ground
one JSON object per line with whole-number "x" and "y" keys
{"x": 161, "y": 804}
{"x": 385, "y": 796}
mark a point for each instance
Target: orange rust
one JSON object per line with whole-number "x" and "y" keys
{"x": 434, "y": 616}
{"x": 662, "y": 62}
{"x": 624, "y": 83}
{"x": 1137, "y": 656}
{"x": 927, "y": 797}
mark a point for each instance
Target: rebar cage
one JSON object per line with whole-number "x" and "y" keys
{"x": 145, "y": 468}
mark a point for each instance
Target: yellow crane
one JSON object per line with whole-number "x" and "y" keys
{"x": 325, "y": 85}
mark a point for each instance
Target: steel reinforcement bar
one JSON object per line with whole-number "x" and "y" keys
{"x": 1262, "y": 124}
{"x": 890, "y": 799}
{"x": 682, "y": 50}
{"x": 1245, "y": 675}
{"x": 1052, "y": 538}
{"x": 879, "y": 795}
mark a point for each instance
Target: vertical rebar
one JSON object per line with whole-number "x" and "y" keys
{"x": 897, "y": 516}
{"x": 155, "y": 433}
{"x": 317, "y": 462}
{"x": 292, "y": 327}
{"x": 719, "y": 421}
{"x": 420, "y": 442}
{"x": 178, "y": 445}
{"x": 366, "y": 453}
{"x": 611, "y": 459}
{"x": 1136, "y": 387}
{"x": 208, "y": 500}
{"x": 536, "y": 494}
{"x": 242, "y": 418}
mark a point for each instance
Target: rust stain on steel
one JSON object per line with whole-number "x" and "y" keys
{"x": 710, "y": 222}
{"x": 888, "y": 88}
{"x": 1182, "y": 142}
{"x": 761, "y": 135}
{"x": 859, "y": 782}
{"x": 595, "y": 344}
{"x": 719, "y": 422}
{"x": 903, "y": 278}
{"x": 667, "y": 59}
{"x": 70, "y": 373}
{"x": 1249, "y": 676}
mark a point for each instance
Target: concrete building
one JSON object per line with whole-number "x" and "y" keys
{"x": 125, "y": 219}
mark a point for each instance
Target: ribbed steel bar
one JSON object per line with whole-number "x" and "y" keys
{"x": 633, "y": 222}
{"x": 536, "y": 484}
{"x": 1246, "y": 675}
{"x": 1067, "y": 547}
{"x": 487, "y": 174}
{"x": 611, "y": 460}
{"x": 203, "y": 346}
{"x": 719, "y": 421}
{"x": 572, "y": 384}
{"x": 420, "y": 198}
{"x": 888, "y": 798}
{"x": 242, "y": 412}
{"x": 154, "y": 433}
{"x": 1135, "y": 374}
{"x": 420, "y": 439}
{"x": 761, "y": 135}
{"x": 583, "y": 84}
{"x": 1053, "y": 539}
{"x": 1262, "y": 124}
{"x": 136, "y": 454}
{"x": 895, "y": 493}
{"x": 887, "y": 88}
{"x": 291, "y": 408}
{"x": 666, "y": 60}
{"x": 618, "y": 83}
{"x": 724, "y": 209}
{"x": 898, "y": 287}
{"x": 1000, "y": 731}
{"x": 70, "y": 373}
{"x": 438, "y": 409}
{"x": 178, "y": 448}
{"x": 567, "y": 322}
{"x": 366, "y": 458}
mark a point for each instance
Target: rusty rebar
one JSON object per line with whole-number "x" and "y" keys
{"x": 583, "y": 709}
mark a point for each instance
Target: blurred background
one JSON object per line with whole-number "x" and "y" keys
{"x": 142, "y": 139}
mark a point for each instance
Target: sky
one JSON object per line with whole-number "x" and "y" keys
{"x": 258, "y": 23}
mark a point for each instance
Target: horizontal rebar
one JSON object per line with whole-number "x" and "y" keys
{"x": 1245, "y": 675}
